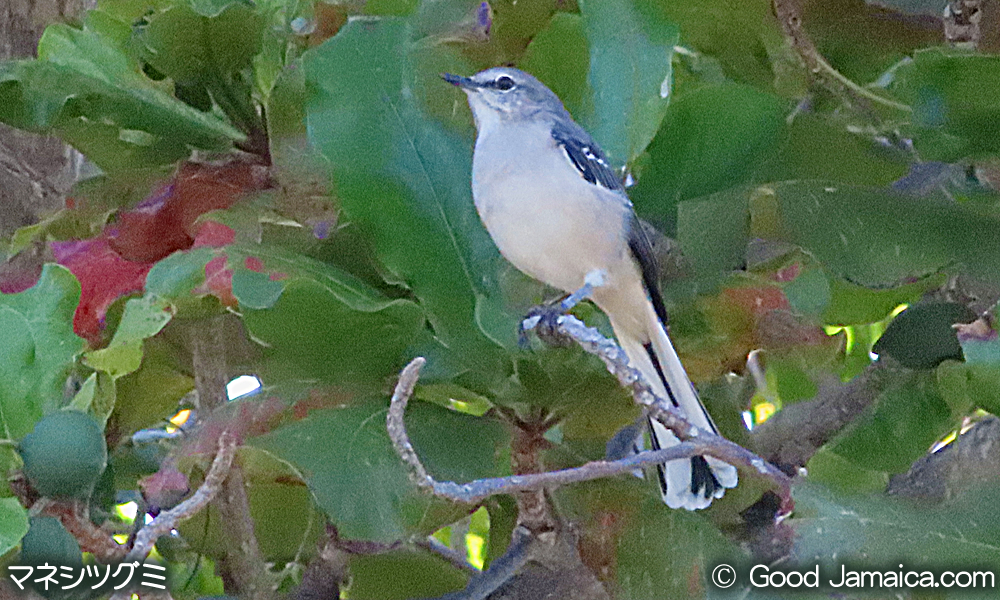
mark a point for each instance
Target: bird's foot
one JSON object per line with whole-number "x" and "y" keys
{"x": 544, "y": 319}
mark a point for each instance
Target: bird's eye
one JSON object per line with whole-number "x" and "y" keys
{"x": 504, "y": 83}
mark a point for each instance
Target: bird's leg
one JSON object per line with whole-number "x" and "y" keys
{"x": 543, "y": 318}
{"x": 594, "y": 279}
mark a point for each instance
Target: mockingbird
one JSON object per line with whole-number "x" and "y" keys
{"x": 558, "y": 212}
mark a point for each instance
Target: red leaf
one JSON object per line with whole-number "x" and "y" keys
{"x": 165, "y": 488}
{"x": 116, "y": 263}
{"x": 202, "y": 188}
{"x": 165, "y": 222}
{"x": 757, "y": 300}
{"x": 254, "y": 264}
{"x": 150, "y": 231}
{"x": 242, "y": 419}
{"x": 214, "y": 234}
{"x": 104, "y": 277}
{"x": 788, "y": 273}
{"x": 218, "y": 281}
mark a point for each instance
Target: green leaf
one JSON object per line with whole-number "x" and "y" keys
{"x": 145, "y": 398}
{"x": 791, "y": 372}
{"x": 559, "y": 58}
{"x": 923, "y": 336}
{"x": 403, "y": 180}
{"x": 743, "y": 36}
{"x": 862, "y": 39}
{"x": 712, "y": 139}
{"x": 630, "y": 75}
{"x": 213, "y": 8}
{"x": 271, "y": 503}
{"x": 129, "y": 11}
{"x": 877, "y": 237}
{"x": 819, "y": 146}
{"x": 392, "y": 7}
{"x": 713, "y": 233}
{"x": 573, "y": 383}
{"x": 275, "y": 494}
{"x": 87, "y": 90}
{"x": 118, "y": 150}
{"x": 143, "y": 318}
{"x": 946, "y": 90}
{"x": 193, "y": 43}
{"x": 437, "y": 18}
{"x": 177, "y": 275}
{"x": 876, "y": 532}
{"x": 286, "y": 127}
{"x": 844, "y": 476}
{"x": 376, "y": 576}
{"x": 852, "y": 303}
{"x": 319, "y": 322}
{"x": 37, "y": 348}
{"x": 909, "y": 416}
{"x": 255, "y": 290}
{"x": 502, "y": 511}
{"x": 668, "y": 553}
{"x": 311, "y": 333}
{"x": 87, "y": 53}
{"x": 976, "y": 382}
{"x": 108, "y": 26}
{"x": 344, "y": 450}
{"x": 13, "y": 523}
{"x": 809, "y": 293}
{"x": 96, "y": 397}
{"x": 286, "y": 266}
{"x": 651, "y": 552}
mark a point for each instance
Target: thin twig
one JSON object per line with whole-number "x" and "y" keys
{"x": 787, "y": 12}
{"x": 397, "y": 426}
{"x": 700, "y": 442}
{"x": 707, "y": 443}
{"x": 457, "y": 559}
{"x": 482, "y": 584}
{"x": 168, "y": 519}
{"x": 74, "y": 514}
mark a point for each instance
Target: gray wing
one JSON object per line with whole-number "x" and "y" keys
{"x": 588, "y": 158}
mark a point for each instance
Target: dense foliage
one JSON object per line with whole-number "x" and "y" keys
{"x": 282, "y": 189}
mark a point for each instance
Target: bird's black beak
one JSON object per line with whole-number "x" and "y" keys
{"x": 458, "y": 81}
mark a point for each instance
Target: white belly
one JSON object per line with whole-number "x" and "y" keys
{"x": 543, "y": 216}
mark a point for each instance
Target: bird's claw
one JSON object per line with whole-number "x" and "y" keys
{"x": 544, "y": 321}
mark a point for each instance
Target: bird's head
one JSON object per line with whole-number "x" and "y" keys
{"x": 505, "y": 94}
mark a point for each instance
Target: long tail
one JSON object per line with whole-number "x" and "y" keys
{"x": 693, "y": 483}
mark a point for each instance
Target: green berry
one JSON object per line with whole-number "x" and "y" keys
{"x": 65, "y": 454}
{"x": 47, "y": 541}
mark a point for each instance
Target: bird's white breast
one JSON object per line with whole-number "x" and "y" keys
{"x": 543, "y": 216}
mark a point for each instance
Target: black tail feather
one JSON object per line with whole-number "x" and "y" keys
{"x": 659, "y": 371}
{"x": 661, "y": 474}
{"x": 702, "y": 478}
{"x": 703, "y": 481}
